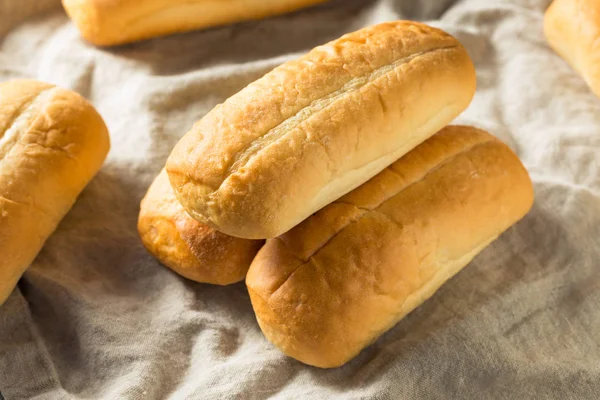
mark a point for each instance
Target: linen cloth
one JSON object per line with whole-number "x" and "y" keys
{"x": 96, "y": 317}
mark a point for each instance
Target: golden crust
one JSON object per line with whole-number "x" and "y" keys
{"x": 315, "y": 128}
{"x": 330, "y": 286}
{"x": 187, "y": 246}
{"x": 572, "y": 28}
{"x": 113, "y": 22}
{"x": 52, "y": 142}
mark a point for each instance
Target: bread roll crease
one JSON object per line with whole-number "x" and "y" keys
{"x": 333, "y": 284}
{"x": 52, "y": 142}
{"x": 315, "y": 128}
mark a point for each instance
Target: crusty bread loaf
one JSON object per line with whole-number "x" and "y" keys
{"x": 330, "y": 286}
{"x": 315, "y": 128}
{"x": 112, "y": 22}
{"x": 572, "y": 28}
{"x": 52, "y": 142}
{"x": 187, "y": 246}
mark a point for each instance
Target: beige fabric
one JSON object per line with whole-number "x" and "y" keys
{"x": 96, "y": 317}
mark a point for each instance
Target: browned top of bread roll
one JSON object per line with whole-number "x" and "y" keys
{"x": 52, "y": 142}
{"x": 315, "y": 128}
{"x": 187, "y": 246}
{"x": 112, "y": 22}
{"x": 572, "y": 28}
{"x": 334, "y": 283}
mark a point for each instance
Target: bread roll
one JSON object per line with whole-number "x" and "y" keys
{"x": 52, "y": 142}
{"x": 572, "y": 28}
{"x": 333, "y": 284}
{"x": 187, "y": 246}
{"x": 315, "y": 128}
{"x": 112, "y": 22}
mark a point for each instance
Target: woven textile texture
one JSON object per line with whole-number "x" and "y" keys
{"x": 96, "y": 317}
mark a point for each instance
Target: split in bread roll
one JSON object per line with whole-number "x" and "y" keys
{"x": 313, "y": 129}
{"x": 332, "y": 285}
{"x": 572, "y": 28}
{"x": 112, "y": 22}
{"x": 187, "y": 246}
{"x": 52, "y": 142}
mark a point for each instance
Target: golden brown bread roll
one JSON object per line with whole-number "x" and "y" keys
{"x": 187, "y": 246}
{"x": 112, "y": 22}
{"x": 330, "y": 286}
{"x": 315, "y": 128}
{"x": 52, "y": 142}
{"x": 572, "y": 28}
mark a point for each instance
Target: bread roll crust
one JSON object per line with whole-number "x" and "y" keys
{"x": 572, "y": 28}
{"x": 315, "y": 128}
{"x": 329, "y": 287}
{"x": 187, "y": 246}
{"x": 113, "y": 22}
{"x": 52, "y": 142}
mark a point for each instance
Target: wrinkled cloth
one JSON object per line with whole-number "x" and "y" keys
{"x": 96, "y": 317}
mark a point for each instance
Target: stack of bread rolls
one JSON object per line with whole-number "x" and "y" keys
{"x": 343, "y": 161}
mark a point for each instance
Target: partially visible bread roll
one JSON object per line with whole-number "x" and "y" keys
{"x": 187, "y": 246}
{"x": 112, "y": 22}
{"x": 52, "y": 142}
{"x": 315, "y": 128}
{"x": 572, "y": 28}
{"x": 333, "y": 284}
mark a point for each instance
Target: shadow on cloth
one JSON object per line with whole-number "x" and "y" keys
{"x": 246, "y": 41}
{"x": 421, "y": 10}
{"x": 94, "y": 265}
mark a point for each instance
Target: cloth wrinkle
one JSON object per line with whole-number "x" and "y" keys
{"x": 97, "y": 317}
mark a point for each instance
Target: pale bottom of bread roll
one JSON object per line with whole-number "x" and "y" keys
{"x": 333, "y": 284}
{"x": 190, "y": 248}
{"x": 339, "y": 186}
{"x": 108, "y": 23}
